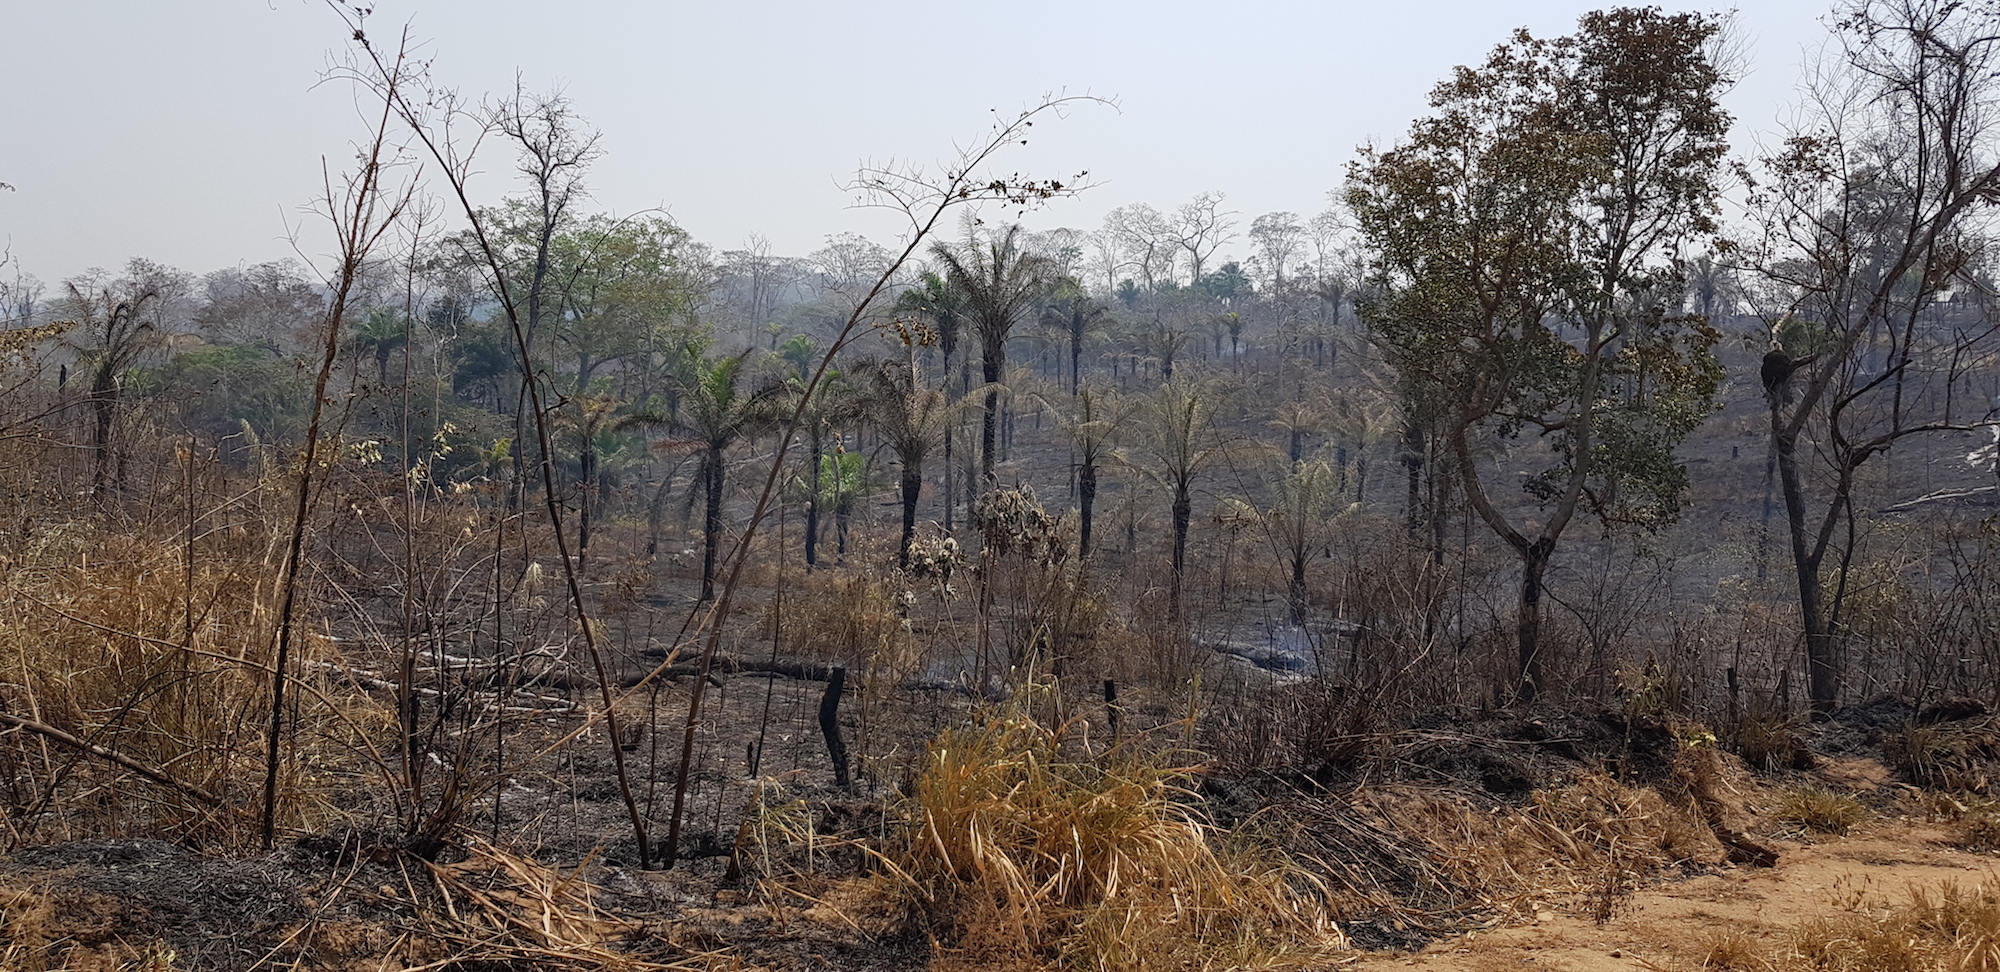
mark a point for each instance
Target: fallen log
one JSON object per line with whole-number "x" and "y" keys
{"x": 50, "y": 732}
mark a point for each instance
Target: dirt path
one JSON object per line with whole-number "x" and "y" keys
{"x": 1657, "y": 924}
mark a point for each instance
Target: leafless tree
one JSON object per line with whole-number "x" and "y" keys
{"x": 1877, "y": 205}
{"x": 1199, "y": 228}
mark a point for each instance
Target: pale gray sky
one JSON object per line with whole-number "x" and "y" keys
{"x": 192, "y": 132}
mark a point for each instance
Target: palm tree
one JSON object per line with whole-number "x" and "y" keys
{"x": 1358, "y": 419}
{"x": 713, "y": 413}
{"x": 379, "y": 335}
{"x": 113, "y": 320}
{"x": 936, "y": 298}
{"x": 1090, "y": 420}
{"x": 1307, "y": 509}
{"x": 1075, "y": 314}
{"x": 913, "y": 419}
{"x": 1177, "y": 437}
{"x": 594, "y": 417}
{"x": 800, "y": 352}
{"x": 1297, "y": 418}
{"x": 1163, "y": 343}
{"x": 999, "y": 280}
{"x": 833, "y": 402}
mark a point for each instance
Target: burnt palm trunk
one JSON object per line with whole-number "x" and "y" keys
{"x": 103, "y": 409}
{"x": 950, "y": 473}
{"x": 712, "y": 520}
{"x": 812, "y": 500}
{"x": 1183, "y": 509}
{"x": 1075, "y": 360}
{"x": 994, "y": 364}
{"x": 913, "y": 487}
{"x": 1086, "y": 499}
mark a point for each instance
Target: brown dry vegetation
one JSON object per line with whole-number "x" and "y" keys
{"x": 521, "y": 708}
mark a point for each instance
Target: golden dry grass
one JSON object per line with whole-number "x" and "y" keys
{"x": 1022, "y": 851}
{"x": 1950, "y": 928}
{"x": 1820, "y": 810}
{"x": 112, "y": 640}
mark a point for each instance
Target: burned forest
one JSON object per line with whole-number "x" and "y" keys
{"x": 1576, "y": 543}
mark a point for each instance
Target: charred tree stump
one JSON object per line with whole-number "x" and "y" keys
{"x": 829, "y": 725}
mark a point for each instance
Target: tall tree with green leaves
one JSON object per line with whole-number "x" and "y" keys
{"x": 1523, "y": 241}
{"x": 999, "y": 280}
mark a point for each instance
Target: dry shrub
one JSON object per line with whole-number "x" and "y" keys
{"x": 1978, "y": 832}
{"x": 1021, "y": 850}
{"x": 1936, "y": 806}
{"x": 854, "y": 618}
{"x": 1820, "y": 810}
{"x": 109, "y": 639}
{"x": 1768, "y": 739}
{"x": 1938, "y": 757}
{"x": 1949, "y": 927}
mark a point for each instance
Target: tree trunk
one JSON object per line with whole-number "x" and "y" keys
{"x": 1183, "y": 507}
{"x": 103, "y": 406}
{"x": 1086, "y": 499}
{"x": 1298, "y": 589}
{"x": 812, "y": 501}
{"x": 913, "y": 487}
{"x": 1822, "y": 663}
{"x": 1413, "y": 463}
{"x": 1534, "y": 565}
{"x": 586, "y": 461}
{"x": 987, "y": 433}
{"x": 1075, "y": 360}
{"x": 950, "y": 477}
{"x": 711, "y": 522}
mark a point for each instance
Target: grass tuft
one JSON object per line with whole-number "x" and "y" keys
{"x": 1023, "y": 850}
{"x": 1821, "y": 811}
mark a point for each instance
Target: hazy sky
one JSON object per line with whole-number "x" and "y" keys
{"x": 193, "y": 132}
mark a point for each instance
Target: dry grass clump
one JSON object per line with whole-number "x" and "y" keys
{"x": 1729, "y": 950}
{"x": 1432, "y": 859}
{"x": 1563, "y": 840}
{"x": 1821, "y": 810}
{"x": 1949, "y": 928}
{"x": 1768, "y": 739}
{"x": 501, "y": 910}
{"x": 1021, "y": 850}
{"x": 1940, "y": 757}
{"x": 112, "y": 641}
{"x": 1977, "y": 832}
{"x": 853, "y": 618}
